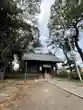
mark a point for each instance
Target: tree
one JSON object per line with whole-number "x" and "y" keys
{"x": 7, "y": 23}
{"x": 73, "y": 17}
{"x": 30, "y": 8}
{"x": 67, "y": 15}
{"x": 16, "y": 29}
{"x": 15, "y": 32}
{"x": 59, "y": 41}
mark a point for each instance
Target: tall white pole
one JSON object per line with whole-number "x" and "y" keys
{"x": 79, "y": 75}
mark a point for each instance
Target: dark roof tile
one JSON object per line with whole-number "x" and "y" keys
{"x": 41, "y": 57}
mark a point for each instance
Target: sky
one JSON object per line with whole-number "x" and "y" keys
{"x": 43, "y": 19}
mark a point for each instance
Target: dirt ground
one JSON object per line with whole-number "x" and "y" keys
{"x": 40, "y": 95}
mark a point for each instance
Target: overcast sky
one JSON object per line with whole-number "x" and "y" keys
{"x": 43, "y": 21}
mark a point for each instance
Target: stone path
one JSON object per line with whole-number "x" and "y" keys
{"x": 44, "y": 96}
{"x": 75, "y": 88}
{"x": 39, "y": 95}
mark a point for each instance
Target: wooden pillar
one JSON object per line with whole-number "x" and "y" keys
{"x": 52, "y": 71}
{"x": 56, "y": 68}
{"x": 25, "y": 70}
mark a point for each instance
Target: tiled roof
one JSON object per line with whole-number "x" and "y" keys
{"x": 41, "y": 57}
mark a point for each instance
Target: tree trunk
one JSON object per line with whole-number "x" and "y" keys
{"x": 56, "y": 68}
{"x": 76, "y": 43}
{"x": 65, "y": 53}
{"x": 79, "y": 50}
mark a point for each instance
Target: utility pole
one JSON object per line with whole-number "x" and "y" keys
{"x": 77, "y": 69}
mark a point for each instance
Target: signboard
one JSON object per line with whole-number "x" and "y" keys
{"x": 46, "y": 66}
